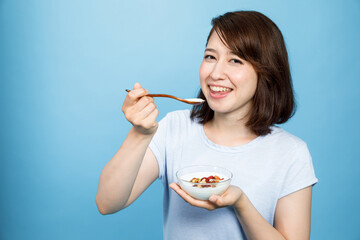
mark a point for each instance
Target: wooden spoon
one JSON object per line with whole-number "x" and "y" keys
{"x": 192, "y": 101}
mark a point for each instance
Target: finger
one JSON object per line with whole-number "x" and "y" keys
{"x": 141, "y": 109}
{"x": 192, "y": 201}
{"x": 150, "y": 120}
{"x": 183, "y": 194}
{"x": 147, "y": 117}
{"x": 145, "y": 111}
{"x": 217, "y": 200}
{"x": 228, "y": 198}
{"x": 142, "y": 103}
{"x": 137, "y": 93}
{"x": 134, "y": 95}
{"x": 174, "y": 186}
{"x": 137, "y": 86}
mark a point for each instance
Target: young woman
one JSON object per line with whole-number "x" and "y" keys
{"x": 246, "y": 81}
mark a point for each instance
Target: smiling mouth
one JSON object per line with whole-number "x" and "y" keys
{"x": 218, "y": 92}
{"x": 217, "y": 89}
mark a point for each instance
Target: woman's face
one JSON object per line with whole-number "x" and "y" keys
{"x": 227, "y": 81}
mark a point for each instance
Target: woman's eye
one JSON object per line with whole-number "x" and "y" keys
{"x": 236, "y": 61}
{"x": 209, "y": 57}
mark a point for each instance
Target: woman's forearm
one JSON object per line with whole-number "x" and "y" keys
{"x": 253, "y": 223}
{"x": 118, "y": 176}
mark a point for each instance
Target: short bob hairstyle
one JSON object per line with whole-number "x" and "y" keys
{"x": 256, "y": 39}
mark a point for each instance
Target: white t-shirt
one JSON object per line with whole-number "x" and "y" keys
{"x": 266, "y": 169}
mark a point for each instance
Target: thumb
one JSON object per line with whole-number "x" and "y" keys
{"x": 217, "y": 200}
{"x": 137, "y": 86}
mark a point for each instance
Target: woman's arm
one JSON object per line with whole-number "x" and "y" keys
{"x": 292, "y": 215}
{"x": 119, "y": 183}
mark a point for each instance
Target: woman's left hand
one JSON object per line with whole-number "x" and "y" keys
{"x": 229, "y": 198}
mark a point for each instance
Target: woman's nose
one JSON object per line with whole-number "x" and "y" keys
{"x": 218, "y": 72}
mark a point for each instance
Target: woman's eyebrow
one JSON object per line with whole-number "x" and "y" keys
{"x": 233, "y": 53}
{"x": 210, "y": 50}
{"x": 213, "y": 50}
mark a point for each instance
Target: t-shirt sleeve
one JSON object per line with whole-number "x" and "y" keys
{"x": 300, "y": 173}
{"x": 158, "y": 146}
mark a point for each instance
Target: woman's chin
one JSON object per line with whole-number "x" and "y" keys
{"x": 219, "y": 108}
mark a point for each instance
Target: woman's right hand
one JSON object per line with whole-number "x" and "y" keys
{"x": 141, "y": 110}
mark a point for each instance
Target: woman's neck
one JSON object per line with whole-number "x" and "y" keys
{"x": 228, "y": 130}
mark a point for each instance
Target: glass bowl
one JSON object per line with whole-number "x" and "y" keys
{"x": 203, "y": 190}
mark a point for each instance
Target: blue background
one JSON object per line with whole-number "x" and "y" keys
{"x": 64, "y": 67}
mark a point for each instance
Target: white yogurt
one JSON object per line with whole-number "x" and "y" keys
{"x": 195, "y": 100}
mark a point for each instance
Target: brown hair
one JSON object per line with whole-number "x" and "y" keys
{"x": 256, "y": 39}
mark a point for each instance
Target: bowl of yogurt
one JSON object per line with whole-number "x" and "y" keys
{"x": 201, "y": 182}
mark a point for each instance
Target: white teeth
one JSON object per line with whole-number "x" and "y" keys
{"x": 219, "y": 89}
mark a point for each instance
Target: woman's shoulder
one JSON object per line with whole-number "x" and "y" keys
{"x": 178, "y": 116}
{"x": 283, "y": 138}
{"x": 182, "y": 114}
{"x": 290, "y": 148}
{"x": 178, "y": 119}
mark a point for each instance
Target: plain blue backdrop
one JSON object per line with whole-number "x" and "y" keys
{"x": 64, "y": 66}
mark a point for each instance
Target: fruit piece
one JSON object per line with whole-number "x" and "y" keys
{"x": 210, "y": 179}
{"x": 195, "y": 180}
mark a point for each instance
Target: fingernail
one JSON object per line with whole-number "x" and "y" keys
{"x": 212, "y": 198}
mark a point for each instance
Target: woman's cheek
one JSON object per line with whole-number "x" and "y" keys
{"x": 205, "y": 71}
{"x": 202, "y": 76}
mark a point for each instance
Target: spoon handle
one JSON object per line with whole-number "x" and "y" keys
{"x": 170, "y": 96}
{"x": 164, "y": 95}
